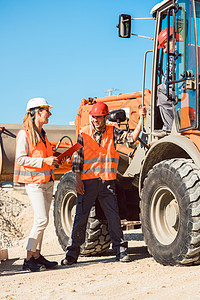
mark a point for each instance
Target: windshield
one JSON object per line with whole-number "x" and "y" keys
{"x": 186, "y": 67}
{"x": 197, "y": 8}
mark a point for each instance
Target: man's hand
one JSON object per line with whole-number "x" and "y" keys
{"x": 79, "y": 184}
{"x": 142, "y": 112}
{"x": 65, "y": 160}
{"x": 136, "y": 132}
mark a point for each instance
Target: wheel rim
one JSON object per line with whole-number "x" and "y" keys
{"x": 68, "y": 211}
{"x": 164, "y": 215}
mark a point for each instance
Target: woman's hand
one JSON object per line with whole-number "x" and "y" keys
{"x": 51, "y": 160}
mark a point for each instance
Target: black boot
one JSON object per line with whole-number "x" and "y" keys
{"x": 123, "y": 257}
{"x": 32, "y": 265}
{"x": 68, "y": 260}
{"x": 48, "y": 264}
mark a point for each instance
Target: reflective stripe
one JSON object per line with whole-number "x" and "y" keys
{"x": 109, "y": 170}
{"x": 110, "y": 159}
{"x": 90, "y": 170}
{"x": 91, "y": 161}
{"x": 106, "y": 170}
{"x": 34, "y": 173}
{"x": 106, "y": 160}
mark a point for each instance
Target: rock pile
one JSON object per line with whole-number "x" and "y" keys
{"x": 10, "y": 228}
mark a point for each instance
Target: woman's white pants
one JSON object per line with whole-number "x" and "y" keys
{"x": 40, "y": 196}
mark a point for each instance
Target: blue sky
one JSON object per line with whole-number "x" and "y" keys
{"x": 68, "y": 50}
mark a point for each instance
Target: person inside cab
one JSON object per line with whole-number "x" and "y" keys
{"x": 164, "y": 103}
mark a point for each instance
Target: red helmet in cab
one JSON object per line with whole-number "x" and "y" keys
{"x": 192, "y": 113}
{"x": 99, "y": 109}
{"x": 162, "y": 37}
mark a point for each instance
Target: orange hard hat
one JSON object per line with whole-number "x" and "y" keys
{"x": 99, "y": 109}
{"x": 162, "y": 37}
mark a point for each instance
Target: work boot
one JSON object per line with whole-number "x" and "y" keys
{"x": 48, "y": 264}
{"x": 68, "y": 260}
{"x": 123, "y": 257}
{"x": 32, "y": 265}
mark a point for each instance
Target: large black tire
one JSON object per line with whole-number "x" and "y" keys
{"x": 97, "y": 238}
{"x": 170, "y": 212}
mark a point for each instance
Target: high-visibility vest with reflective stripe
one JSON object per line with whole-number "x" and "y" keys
{"x": 27, "y": 174}
{"x": 99, "y": 161}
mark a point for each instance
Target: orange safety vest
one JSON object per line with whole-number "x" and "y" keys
{"x": 99, "y": 161}
{"x": 27, "y": 174}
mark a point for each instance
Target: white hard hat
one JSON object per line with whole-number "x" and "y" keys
{"x": 37, "y": 102}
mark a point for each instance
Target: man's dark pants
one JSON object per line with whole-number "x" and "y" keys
{"x": 105, "y": 192}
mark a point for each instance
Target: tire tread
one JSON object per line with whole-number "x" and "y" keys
{"x": 188, "y": 173}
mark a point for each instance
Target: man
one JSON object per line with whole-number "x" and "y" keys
{"x": 165, "y": 104}
{"x": 95, "y": 166}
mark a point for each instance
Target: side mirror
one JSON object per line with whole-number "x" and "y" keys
{"x": 117, "y": 115}
{"x": 124, "y": 26}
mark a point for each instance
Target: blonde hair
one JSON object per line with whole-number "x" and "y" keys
{"x": 29, "y": 124}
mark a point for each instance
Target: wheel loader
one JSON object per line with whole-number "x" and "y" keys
{"x": 158, "y": 180}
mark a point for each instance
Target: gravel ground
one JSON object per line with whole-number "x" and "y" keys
{"x": 92, "y": 277}
{"x": 11, "y": 231}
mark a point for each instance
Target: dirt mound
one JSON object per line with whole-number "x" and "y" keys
{"x": 10, "y": 220}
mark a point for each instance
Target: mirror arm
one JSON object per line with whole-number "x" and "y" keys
{"x": 142, "y": 36}
{"x": 145, "y": 37}
{"x": 142, "y": 18}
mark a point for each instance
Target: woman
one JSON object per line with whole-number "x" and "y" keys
{"x": 34, "y": 166}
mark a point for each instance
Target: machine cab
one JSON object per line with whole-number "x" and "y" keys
{"x": 178, "y": 67}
